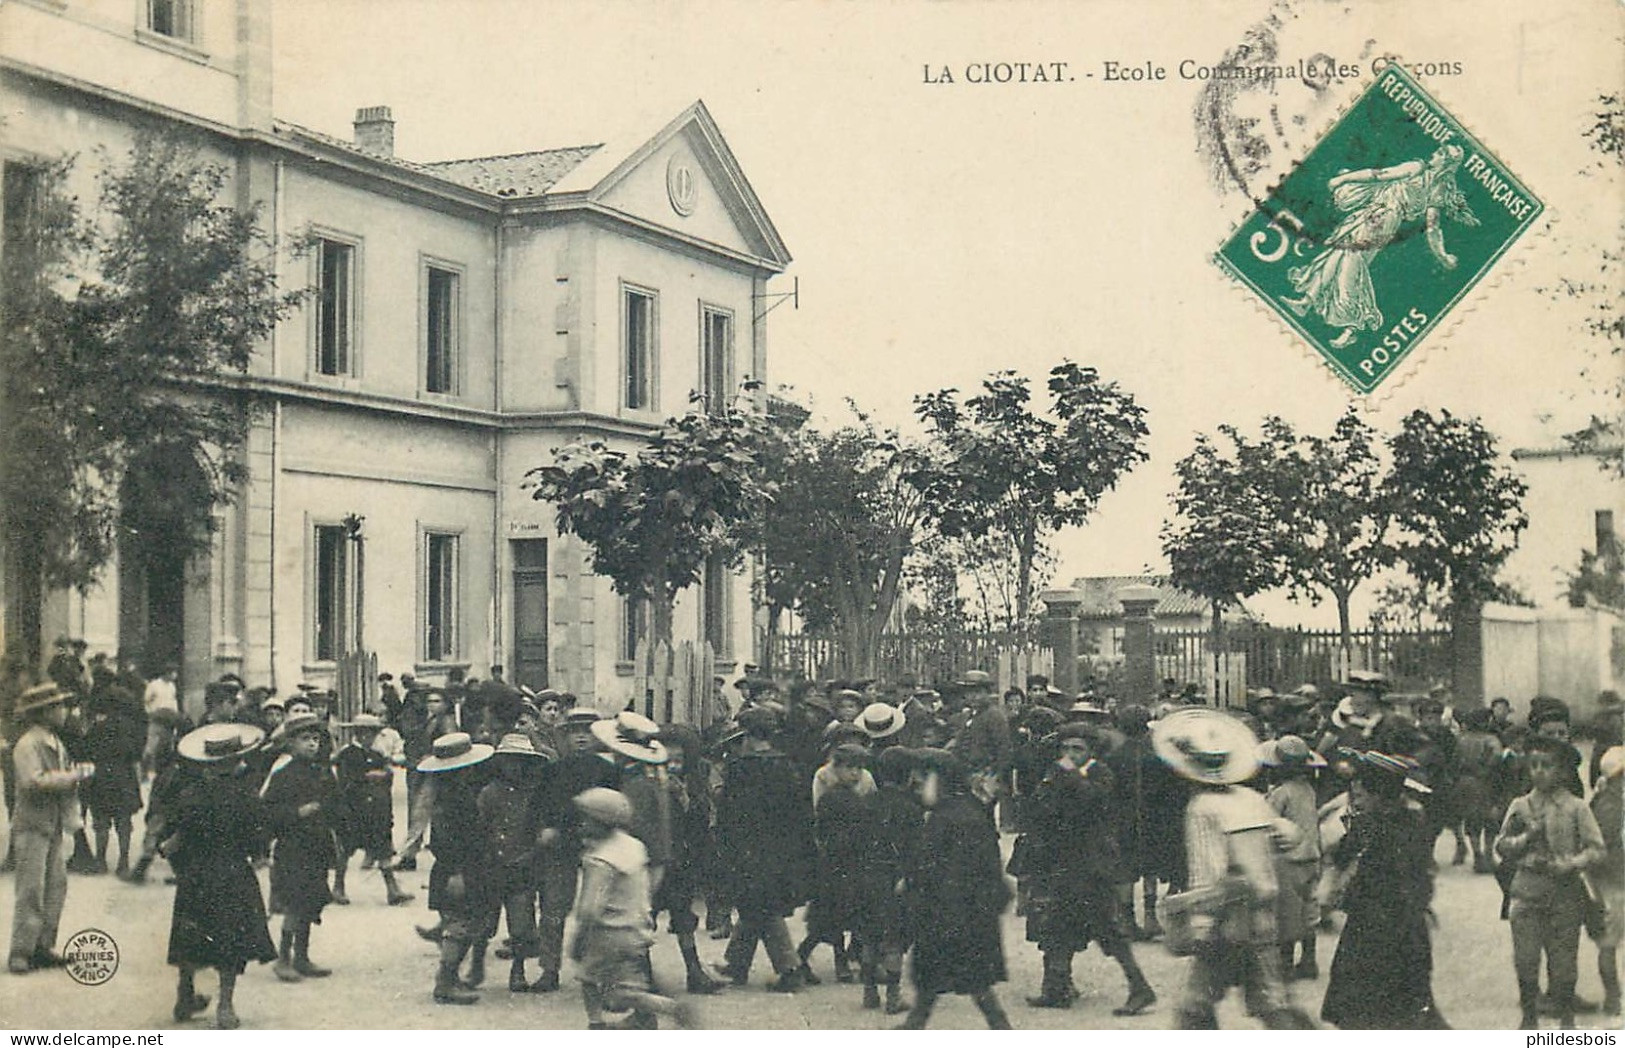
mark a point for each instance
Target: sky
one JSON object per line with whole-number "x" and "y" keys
{"x": 942, "y": 230}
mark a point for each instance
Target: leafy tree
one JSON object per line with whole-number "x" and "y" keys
{"x": 1332, "y": 509}
{"x": 1005, "y": 469}
{"x": 655, "y": 516}
{"x": 1599, "y": 291}
{"x": 123, "y": 340}
{"x": 1599, "y": 578}
{"x": 837, "y": 538}
{"x": 1459, "y": 506}
{"x": 1224, "y": 543}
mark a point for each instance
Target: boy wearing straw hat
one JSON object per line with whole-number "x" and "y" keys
{"x": 455, "y": 888}
{"x": 1229, "y": 906}
{"x": 301, "y": 802}
{"x": 1288, "y": 763}
{"x": 508, "y": 818}
{"x": 47, "y": 809}
{"x": 365, "y": 816}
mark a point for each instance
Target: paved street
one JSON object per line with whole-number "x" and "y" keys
{"x": 383, "y": 974}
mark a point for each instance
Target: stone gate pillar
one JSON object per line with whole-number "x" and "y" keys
{"x": 1058, "y": 631}
{"x": 1139, "y": 644}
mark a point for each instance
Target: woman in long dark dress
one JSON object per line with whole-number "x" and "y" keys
{"x": 1382, "y": 975}
{"x": 218, "y": 828}
{"x": 955, "y": 894}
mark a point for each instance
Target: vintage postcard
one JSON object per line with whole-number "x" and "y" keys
{"x": 860, "y": 481}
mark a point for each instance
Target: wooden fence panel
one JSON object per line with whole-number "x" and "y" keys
{"x": 674, "y": 685}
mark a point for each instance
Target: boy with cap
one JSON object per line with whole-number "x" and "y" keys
{"x": 1551, "y": 838}
{"x": 580, "y": 767}
{"x": 613, "y": 928}
{"x": 365, "y": 815}
{"x": 837, "y": 814}
{"x": 47, "y": 808}
{"x": 301, "y": 803}
{"x": 1073, "y": 863}
{"x": 1288, "y": 764}
{"x": 689, "y": 793}
{"x": 764, "y": 836}
{"x": 892, "y": 821}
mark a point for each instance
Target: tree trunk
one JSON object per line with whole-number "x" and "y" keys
{"x": 660, "y": 615}
{"x": 1217, "y": 643}
{"x": 1025, "y": 551}
{"x": 1344, "y": 633}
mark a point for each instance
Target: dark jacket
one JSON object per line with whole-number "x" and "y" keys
{"x": 765, "y": 832}
{"x": 956, "y": 893}
{"x": 218, "y": 920}
{"x": 304, "y": 849}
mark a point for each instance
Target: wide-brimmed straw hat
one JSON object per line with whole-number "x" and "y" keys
{"x": 40, "y": 696}
{"x": 582, "y": 715}
{"x": 218, "y": 742}
{"x": 518, "y": 744}
{"x": 881, "y": 720}
{"x": 1206, "y": 745}
{"x": 975, "y": 679}
{"x": 301, "y": 722}
{"x": 455, "y": 750}
{"x": 631, "y": 735}
{"x": 1288, "y": 751}
{"x": 365, "y": 722}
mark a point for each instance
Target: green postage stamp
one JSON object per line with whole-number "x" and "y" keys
{"x": 1381, "y": 230}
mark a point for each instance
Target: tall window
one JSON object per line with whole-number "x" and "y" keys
{"x": 634, "y": 626}
{"x": 440, "y": 598}
{"x": 716, "y": 358}
{"x": 332, "y": 590}
{"x": 716, "y": 593}
{"x": 441, "y": 291}
{"x": 638, "y": 327}
{"x": 335, "y": 307}
{"x": 172, "y": 18}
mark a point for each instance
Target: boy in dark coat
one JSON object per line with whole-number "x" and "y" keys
{"x": 1072, "y": 862}
{"x": 764, "y": 835}
{"x": 837, "y": 821}
{"x": 217, "y": 829}
{"x": 115, "y": 738}
{"x": 955, "y": 893}
{"x": 892, "y": 822}
{"x": 688, "y": 785}
{"x": 301, "y": 801}
{"x": 365, "y": 817}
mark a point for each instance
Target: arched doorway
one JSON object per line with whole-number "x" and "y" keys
{"x": 163, "y": 542}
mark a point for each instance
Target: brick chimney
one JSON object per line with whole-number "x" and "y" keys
{"x": 375, "y": 130}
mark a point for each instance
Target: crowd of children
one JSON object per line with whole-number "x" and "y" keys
{"x": 878, "y": 809}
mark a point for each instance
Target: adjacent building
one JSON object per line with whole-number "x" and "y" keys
{"x": 466, "y": 318}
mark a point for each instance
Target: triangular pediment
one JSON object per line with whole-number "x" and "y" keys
{"x": 684, "y": 178}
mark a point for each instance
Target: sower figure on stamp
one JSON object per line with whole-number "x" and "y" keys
{"x": 1337, "y": 284}
{"x": 47, "y": 810}
{"x": 217, "y": 823}
{"x": 1226, "y": 918}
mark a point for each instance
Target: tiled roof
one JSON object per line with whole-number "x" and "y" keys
{"x": 516, "y": 174}
{"x": 1100, "y": 601}
{"x": 299, "y": 131}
